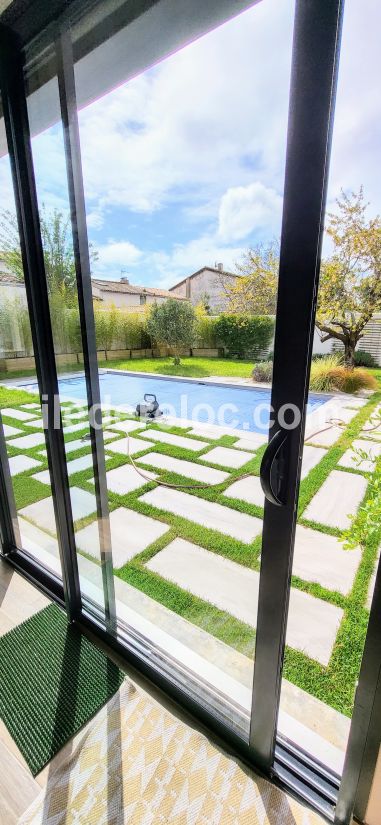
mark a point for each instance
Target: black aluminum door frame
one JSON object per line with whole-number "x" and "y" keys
{"x": 69, "y": 116}
{"x": 313, "y": 88}
{"x": 314, "y": 73}
{"x": 25, "y": 193}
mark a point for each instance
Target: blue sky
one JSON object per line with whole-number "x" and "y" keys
{"x": 184, "y": 165}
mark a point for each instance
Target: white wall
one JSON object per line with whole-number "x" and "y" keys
{"x": 318, "y": 347}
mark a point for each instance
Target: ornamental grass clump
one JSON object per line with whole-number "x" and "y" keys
{"x": 328, "y": 374}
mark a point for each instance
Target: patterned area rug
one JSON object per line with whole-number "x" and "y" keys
{"x": 138, "y": 764}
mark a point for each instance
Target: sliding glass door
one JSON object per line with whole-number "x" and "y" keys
{"x": 170, "y": 504}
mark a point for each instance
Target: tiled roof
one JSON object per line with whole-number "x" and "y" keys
{"x": 209, "y": 269}
{"x": 132, "y": 289}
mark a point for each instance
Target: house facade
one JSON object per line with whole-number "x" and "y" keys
{"x": 207, "y": 284}
{"x": 123, "y": 294}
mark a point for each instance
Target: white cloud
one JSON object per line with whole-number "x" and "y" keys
{"x": 115, "y": 256}
{"x": 197, "y": 123}
{"x": 244, "y": 209}
{"x": 168, "y": 268}
{"x": 94, "y": 220}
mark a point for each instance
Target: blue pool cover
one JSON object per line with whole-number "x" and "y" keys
{"x": 243, "y": 408}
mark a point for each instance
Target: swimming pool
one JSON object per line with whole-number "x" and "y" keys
{"x": 240, "y": 407}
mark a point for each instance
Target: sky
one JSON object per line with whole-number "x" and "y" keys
{"x": 184, "y": 165}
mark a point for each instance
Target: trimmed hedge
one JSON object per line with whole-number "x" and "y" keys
{"x": 245, "y": 334}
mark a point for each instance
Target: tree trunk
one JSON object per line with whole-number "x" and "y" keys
{"x": 349, "y": 353}
{"x": 176, "y": 360}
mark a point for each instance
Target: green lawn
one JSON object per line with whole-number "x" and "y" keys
{"x": 189, "y": 367}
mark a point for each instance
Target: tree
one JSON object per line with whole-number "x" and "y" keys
{"x": 58, "y": 250}
{"x": 350, "y": 280}
{"x": 256, "y": 290}
{"x": 173, "y": 324}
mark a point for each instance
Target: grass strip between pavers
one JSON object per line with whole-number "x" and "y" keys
{"x": 53, "y": 680}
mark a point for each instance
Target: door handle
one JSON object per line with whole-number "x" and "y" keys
{"x": 269, "y": 456}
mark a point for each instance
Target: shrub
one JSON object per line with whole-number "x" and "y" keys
{"x": 364, "y": 359}
{"x": 172, "y": 323}
{"x": 244, "y": 334}
{"x": 263, "y": 371}
{"x": 205, "y": 328}
{"x": 107, "y": 326}
{"x": 131, "y": 326}
{"x": 73, "y": 327}
{"x": 329, "y": 374}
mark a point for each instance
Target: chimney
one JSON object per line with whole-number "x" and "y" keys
{"x": 220, "y": 267}
{"x": 124, "y": 280}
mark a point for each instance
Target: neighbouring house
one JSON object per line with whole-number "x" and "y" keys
{"x": 207, "y": 285}
{"x": 123, "y": 294}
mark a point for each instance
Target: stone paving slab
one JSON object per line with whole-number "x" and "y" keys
{"x": 31, "y": 406}
{"x": 339, "y": 496}
{"x": 75, "y": 428}
{"x": 73, "y": 446}
{"x": 213, "y": 433}
{"x": 9, "y": 431}
{"x": 227, "y": 457}
{"x": 255, "y": 441}
{"x": 131, "y": 445}
{"x": 356, "y": 403}
{"x": 349, "y": 459}
{"x": 19, "y": 463}
{"x": 34, "y": 540}
{"x": 26, "y": 442}
{"x": 207, "y": 513}
{"x": 346, "y": 414}
{"x": 175, "y": 440}
{"x": 19, "y": 415}
{"x": 312, "y": 624}
{"x": 42, "y": 512}
{"x": 311, "y": 457}
{"x": 74, "y": 466}
{"x": 72, "y": 415}
{"x": 125, "y": 479}
{"x": 131, "y": 533}
{"x": 247, "y": 489}
{"x": 184, "y": 468}
{"x": 37, "y": 423}
{"x": 371, "y": 434}
{"x": 321, "y": 558}
{"x": 326, "y": 438}
{"x": 80, "y": 444}
{"x": 128, "y": 426}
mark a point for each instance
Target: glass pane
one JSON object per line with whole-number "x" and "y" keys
{"x": 50, "y": 172}
{"x": 333, "y": 579}
{"x": 183, "y": 169}
{"x": 21, "y": 409}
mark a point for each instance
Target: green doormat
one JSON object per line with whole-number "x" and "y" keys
{"x": 52, "y": 681}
